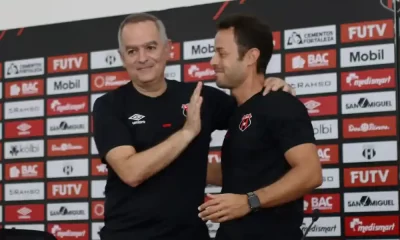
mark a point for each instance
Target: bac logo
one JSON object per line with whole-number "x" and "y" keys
{"x": 70, "y": 189}
{"x": 325, "y": 203}
{"x": 310, "y": 60}
{"x": 328, "y": 154}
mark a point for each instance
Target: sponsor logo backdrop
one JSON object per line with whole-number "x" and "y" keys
{"x": 340, "y": 61}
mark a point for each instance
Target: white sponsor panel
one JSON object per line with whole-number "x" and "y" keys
{"x": 313, "y": 84}
{"x": 105, "y": 59}
{"x": 67, "y": 125}
{"x": 1, "y": 213}
{"x": 275, "y": 64}
{"x": 173, "y": 72}
{"x": 67, "y": 211}
{"x": 384, "y": 201}
{"x": 1, "y": 173}
{"x": 214, "y": 85}
{"x": 323, "y": 227}
{"x": 325, "y": 129}
{"x": 310, "y": 37}
{"x": 37, "y": 227}
{"x": 93, "y": 98}
{"x": 1, "y": 131}
{"x": 67, "y": 84}
{"x": 198, "y": 49}
{"x": 24, "y": 191}
{"x": 98, "y": 188}
{"x": 93, "y": 147}
{"x": 330, "y": 178}
{"x": 367, "y": 55}
{"x": 382, "y": 151}
{"x": 24, "y": 68}
{"x": 24, "y": 149}
{"x": 96, "y": 228}
{"x": 67, "y": 168}
{"x": 369, "y": 102}
{"x": 212, "y": 228}
{"x": 24, "y": 109}
{"x": 1, "y": 89}
{"x": 217, "y": 138}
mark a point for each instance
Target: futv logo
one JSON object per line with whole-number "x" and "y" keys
{"x": 367, "y": 55}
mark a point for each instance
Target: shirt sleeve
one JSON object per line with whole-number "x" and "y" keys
{"x": 289, "y": 122}
{"x": 109, "y": 130}
{"x": 222, "y": 105}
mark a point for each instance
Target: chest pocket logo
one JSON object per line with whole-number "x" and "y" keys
{"x": 246, "y": 122}
{"x": 137, "y": 119}
{"x": 184, "y": 109}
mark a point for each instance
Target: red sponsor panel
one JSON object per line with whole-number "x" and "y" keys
{"x": 367, "y": 31}
{"x": 321, "y": 106}
{"x": 304, "y": 61}
{"x": 67, "y": 106}
{"x": 69, "y": 231}
{"x": 24, "y": 129}
{"x": 214, "y": 157}
{"x": 371, "y": 226}
{"x": 325, "y": 203}
{"x": 108, "y": 81}
{"x": 67, "y": 147}
{"x": 328, "y": 154}
{"x": 371, "y": 176}
{"x": 369, "y": 127}
{"x": 198, "y": 72}
{"x": 26, "y": 88}
{"x": 67, "y": 63}
{"x": 277, "y": 40}
{"x": 1, "y": 111}
{"x": 97, "y": 210}
{"x": 175, "y": 54}
{"x": 67, "y": 189}
{"x": 24, "y": 170}
{"x": 98, "y": 168}
{"x": 368, "y": 79}
{"x": 24, "y": 213}
{"x": 1, "y": 192}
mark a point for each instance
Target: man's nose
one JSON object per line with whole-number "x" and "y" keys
{"x": 142, "y": 56}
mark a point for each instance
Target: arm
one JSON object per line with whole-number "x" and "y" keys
{"x": 293, "y": 131}
{"x": 114, "y": 144}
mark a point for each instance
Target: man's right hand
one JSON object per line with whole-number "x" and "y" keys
{"x": 193, "y": 113}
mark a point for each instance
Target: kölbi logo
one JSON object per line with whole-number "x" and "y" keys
{"x": 24, "y": 149}
{"x": 325, "y": 129}
{"x": 367, "y": 55}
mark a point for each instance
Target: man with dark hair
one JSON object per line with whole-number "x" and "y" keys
{"x": 269, "y": 158}
{"x": 154, "y": 136}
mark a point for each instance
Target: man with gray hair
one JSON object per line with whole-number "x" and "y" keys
{"x": 154, "y": 136}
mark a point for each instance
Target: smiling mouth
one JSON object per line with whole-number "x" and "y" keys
{"x": 144, "y": 68}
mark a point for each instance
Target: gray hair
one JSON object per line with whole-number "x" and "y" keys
{"x": 141, "y": 17}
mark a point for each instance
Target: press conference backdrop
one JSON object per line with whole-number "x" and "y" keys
{"x": 339, "y": 55}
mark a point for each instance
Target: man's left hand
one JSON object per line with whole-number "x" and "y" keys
{"x": 274, "y": 84}
{"x": 224, "y": 207}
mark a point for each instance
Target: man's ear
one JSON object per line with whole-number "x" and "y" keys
{"x": 252, "y": 56}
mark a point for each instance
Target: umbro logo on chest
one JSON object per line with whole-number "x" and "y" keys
{"x": 137, "y": 119}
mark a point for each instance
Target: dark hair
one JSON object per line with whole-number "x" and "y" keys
{"x": 250, "y": 32}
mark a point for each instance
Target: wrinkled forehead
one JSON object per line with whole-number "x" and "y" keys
{"x": 140, "y": 34}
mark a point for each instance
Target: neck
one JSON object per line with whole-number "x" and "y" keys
{"x": 151, "y": 89}
{"x": 251, "y": 86}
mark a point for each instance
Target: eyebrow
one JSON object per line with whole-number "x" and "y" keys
{"x": 145, "y": 44}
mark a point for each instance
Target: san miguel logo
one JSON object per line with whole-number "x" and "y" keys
{"x": 245, "y": 123}
{"x": 389, "y": 4}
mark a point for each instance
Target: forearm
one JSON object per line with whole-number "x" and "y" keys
{"x": 145, "y": 164}
{"x": 293, "y": 185}
{"x": 214, "y": 174}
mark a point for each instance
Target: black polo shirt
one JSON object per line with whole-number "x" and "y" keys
{"x": 260, "y": 132}
{"x": 165, "y": 206}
